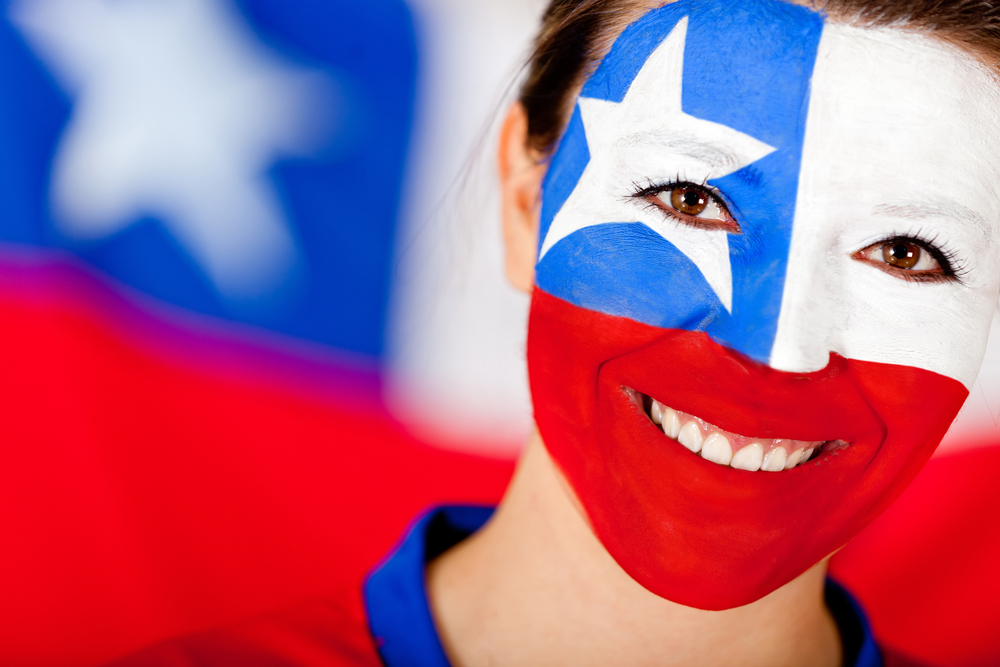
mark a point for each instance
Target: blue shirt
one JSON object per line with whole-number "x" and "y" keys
{"x": 400, "y": 619}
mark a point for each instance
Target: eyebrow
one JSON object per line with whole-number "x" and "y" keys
{"x": 712, "y": 154}
{"x": 937, "y": 209}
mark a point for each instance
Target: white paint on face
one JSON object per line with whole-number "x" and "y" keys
{"x": 902, "y": 140}
{"x": 647, "y": 138}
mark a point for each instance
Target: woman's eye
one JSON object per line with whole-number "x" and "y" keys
{"x": 906, "y": 258}
{"x": 690, "y": 201}
{"x": 694, "y": 205}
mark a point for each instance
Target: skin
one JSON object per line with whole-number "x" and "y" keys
{"x": 535, "y": 586}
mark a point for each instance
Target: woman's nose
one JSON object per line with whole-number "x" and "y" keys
{"x": 812, "y": 308}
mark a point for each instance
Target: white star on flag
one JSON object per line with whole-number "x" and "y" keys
{"x": 647, "y": 138}
{"x": 178, "y": 113}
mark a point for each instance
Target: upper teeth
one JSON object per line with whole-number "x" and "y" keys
{"x": 729, "y": 449}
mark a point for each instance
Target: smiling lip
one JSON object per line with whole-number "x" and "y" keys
{"x": 731, "y": 449}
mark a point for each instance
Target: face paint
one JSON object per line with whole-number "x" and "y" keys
{"x": 784, "y": 230}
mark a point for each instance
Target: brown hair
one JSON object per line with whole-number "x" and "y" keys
{"x": 575, "y": 34}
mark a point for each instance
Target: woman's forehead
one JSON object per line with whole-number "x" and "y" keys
{"x": 757, "y": 47}
{"x": 902, "y": 118}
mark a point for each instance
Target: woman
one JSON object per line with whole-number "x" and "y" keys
{"x": 762, "y": 242}
{"x": 757, "y": 234}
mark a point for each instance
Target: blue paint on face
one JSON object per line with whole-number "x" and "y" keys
{"x": 748, "y": 66}
{"x": 565, "y": 170}
{"x": 641, "y": 255}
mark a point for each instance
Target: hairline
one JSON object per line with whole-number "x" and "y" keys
{"x": 639, "y": 8}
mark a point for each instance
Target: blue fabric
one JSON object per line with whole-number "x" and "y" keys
{"x": 399, "y": 614}
{"x": 852, "y": 620}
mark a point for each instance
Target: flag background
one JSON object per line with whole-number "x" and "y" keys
{"x": 174, "y": 457}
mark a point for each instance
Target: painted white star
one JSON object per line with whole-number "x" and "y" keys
{"x": 178, "y": 112}
{"x": 647, "y": 138}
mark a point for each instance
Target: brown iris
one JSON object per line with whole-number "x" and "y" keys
{"x": 901, "y": 255}
{"x": 689, "y": 200}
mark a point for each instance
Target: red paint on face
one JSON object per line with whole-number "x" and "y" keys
{"x": 689, "y": 530}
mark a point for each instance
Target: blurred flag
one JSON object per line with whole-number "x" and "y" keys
{"x": 204, "y": 208}
{"x": 209, "y": 155}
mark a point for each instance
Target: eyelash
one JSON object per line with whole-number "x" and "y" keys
{"x": 651, "y": 189}
{"x": 951, "y": 266}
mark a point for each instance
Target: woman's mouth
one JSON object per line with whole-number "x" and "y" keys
{"x": 731, "y": 449}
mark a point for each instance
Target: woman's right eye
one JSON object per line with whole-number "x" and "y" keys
{"x": 694, "y": 205}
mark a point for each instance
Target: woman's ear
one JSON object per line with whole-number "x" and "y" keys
{"x": 521, "y": 174}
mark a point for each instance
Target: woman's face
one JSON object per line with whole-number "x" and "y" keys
{"x": 763, "y": 235}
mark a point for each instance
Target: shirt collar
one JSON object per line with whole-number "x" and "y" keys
{"x": 399, "y": 615}
{"x": 400, "y": 619}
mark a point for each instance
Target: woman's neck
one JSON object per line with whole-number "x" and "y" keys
{"x": 534, "y": 586}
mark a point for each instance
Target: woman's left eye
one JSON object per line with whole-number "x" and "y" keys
{"x": 908, "y": 258}
{"x": 694, "y": 205}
